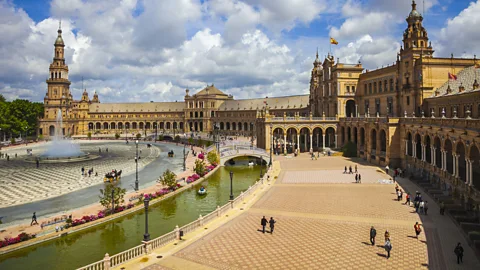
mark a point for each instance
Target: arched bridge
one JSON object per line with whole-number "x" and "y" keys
{"x": 228, "y": 152}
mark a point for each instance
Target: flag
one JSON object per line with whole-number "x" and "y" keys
{"x": 333, "y": 41}
{"x": 452, "y": 76}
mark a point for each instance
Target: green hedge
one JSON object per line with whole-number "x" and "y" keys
{"x": 350, "y": 150}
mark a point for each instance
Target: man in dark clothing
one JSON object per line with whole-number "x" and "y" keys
{"x": 359, "y": 178}
{"x": 272, "y": 224}
{"x": 350, "y": 169}
{"x": 345, "y": 170}
{"x": 356, "y": 170}
{"x": 373, "y": 233}
{"x": 459, "y": 252}
{"x": 425, "y": 207}
{"x": 263, "y": 223}
{"x": 442, "y": 208}
{"x": 34, "y": 219}
{"x": 38, "y": 163}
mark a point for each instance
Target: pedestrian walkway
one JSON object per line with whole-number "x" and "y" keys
{"x": 325, "y": 224}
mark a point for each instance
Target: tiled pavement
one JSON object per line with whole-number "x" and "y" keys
{"x": 326, "y": 226}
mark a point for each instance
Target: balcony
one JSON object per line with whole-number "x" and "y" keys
{"x": 301, "y": 118}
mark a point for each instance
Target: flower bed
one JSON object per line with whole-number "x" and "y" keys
{"x": 19, "y": 238}
{"x": 194, "y": 177}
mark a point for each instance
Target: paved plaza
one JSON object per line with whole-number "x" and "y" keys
{"x": 21, "y": 182}
{"x": 323, "y": 222}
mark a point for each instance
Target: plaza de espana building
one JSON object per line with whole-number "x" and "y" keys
{"x": 407, "y": 115}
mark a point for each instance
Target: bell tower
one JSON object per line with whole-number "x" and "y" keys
{"x": 58, "y": 94}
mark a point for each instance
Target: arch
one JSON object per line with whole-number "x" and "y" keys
{"x": 51, "y": 130}
{"x": 475, "y": 159}
{"x": 409, "y": 144}
{"x": 162, "y": 125}
{"x": 168, "y": 125}
{"x": 134, "y": 125}
{"x": 305, "y": 139}
{"x": 113, "y": 125}
{"x": 141, "y": 125}
{"x": 349, "y": 134}
{"x": 362, "y": 137}
{"x": 330, "y": 136}
{"x": 127, "y": 125}
{"x": 373, "y": 139}
{"x": 195, "y": 126}
{"x": 245, "y": 126}
{"x": 438, "y": 151}
{"x": 228, "y": 126}
{"x": 355, "y": 137}
{"x": 90, "y": 126}
{"x": 278, "y": 140}
{"x": 181, "y": 125}
{"x": 222, "y": 126}
{"x": 98, "y": 126}
{"x": 292, "y": 139}
{"x": 120, "y": 125}
{"x": 447, "y": 146}
{"x": 428, "y": 150}
{"x": 462, "y": 165}
{"x": 342, "y": 133}
{"x": 175, "y": 125}
{"x": 239, "y": 125}
{"x": 234, "y": 126}
{"x": 317, "y": 138}
{"x": 383, "y": 141}
{"x": 418, "y": 146}
{"x": 350, "y": 109}
{"x": 105, "y": 125}
{"x": 148, "y": 125}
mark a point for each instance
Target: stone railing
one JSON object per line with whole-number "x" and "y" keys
{"x": 145, "y": 248}
{"x": 302, "y": 118}
{"x": 473, "y": 124}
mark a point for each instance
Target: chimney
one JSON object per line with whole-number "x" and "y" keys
{"x": 461, "y": 88}
{"x": 449, "y": 90}
{"x": 475, "y": 85}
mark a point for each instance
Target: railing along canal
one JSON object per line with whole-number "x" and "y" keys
{"x": 146, "y": 247}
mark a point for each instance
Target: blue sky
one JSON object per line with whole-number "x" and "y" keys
{"x": 141, "y": 50}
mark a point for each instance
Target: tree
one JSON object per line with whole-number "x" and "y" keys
{"x": 177, "y": 138}
{"x": 138, "y": 135}
{"x": 161, "y": 138}
{"x": 117, "y": 136}
{"x": 200, "y": 167}
{"x": 190, "y": 140}
{"x": 169, "y": 179}
{"x": 350, "y": 149}
{"x": 106, "y": 195}
{"x": 89, "y": 135}
{"x": 213, "y": 158}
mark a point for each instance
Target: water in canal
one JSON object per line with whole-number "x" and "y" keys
{"x": 90, "y": 245}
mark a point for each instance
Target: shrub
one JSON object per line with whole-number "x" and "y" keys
{"x": 138, "y": 135}
{"x": 168, "y": 179}
{"x": 200, "y": 167}
{"x": 177, "y": 138}
{"x": 213, "y": 158}
{"x": 89, "y": 135}
{"x": 12, "y": 140}
{"x": 117, "y": 136}
{"x": 350, "y": 150}
{"x": 161, "y": 138}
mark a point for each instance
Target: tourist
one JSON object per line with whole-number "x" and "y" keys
{"x": 345, "y": 171}
{"x": 398, "y": 195}
{"x": 373, "y": 234}
{"x": 425, "y": 207}
{"x": 386, "y": 169}
{"x": 356, "y": 178}
{"x": 15, "y": 155}
{"x": 34, "y": 219}
{"x": 83, "y": 171}
{"x": 356, "y": 171}
{"x": 272, "y": 224}
{"x": 442, "y": 208}
{"x": 417, "y": 228}
{"x": 359, "y": 178}
{"x": 396, "y": 188}
{"x": 393, "y": 177}
{"x": 388, "y": 247}
{"x": 263, "y": 222}
{"x": 459, "y": 252}
{"x": 56, "y": 228}
{"x": 350, "y": 169}
{"x": 407, "y": 199}
{"x": 37, "y": 163}
{"x": 387, "y": 235}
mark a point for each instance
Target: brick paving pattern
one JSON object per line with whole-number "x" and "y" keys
{"x": 331, "y": 176}
{"x": 323, "y": 224}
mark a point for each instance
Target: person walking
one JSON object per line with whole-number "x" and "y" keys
{"x": 350, "y": 169}
{"x": 459, "y": 252}
{"x": 34, "y": 219}
{"x": 386, "y": 169}
{"x": 422, "y": 207}
{"x": 398, "y": 195}
{"x": 359, "y": 178}
{"x": 442, "y": 208}
{"x": 345, "y": 170}
{"x": 407, "y": 199}
{"x": 37, "y": 163}
{"x": 373, "y": 234}
{"x": 425, "y": 207}
{"x": 417, "y": 228}
{"x": 387, "y": 235}
{"x": 263, "y": 222}
{"x": 356, "y": 170}
{"x": 83, "y": 171}
{"x": 356, "y": 178}
{"x": 388, "y": 247}
{"x": 272, "y": 224}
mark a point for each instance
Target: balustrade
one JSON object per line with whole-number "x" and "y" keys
{"x": 127, "y": 255}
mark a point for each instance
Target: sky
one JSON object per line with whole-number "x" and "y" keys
{"x": 152, "y": 50}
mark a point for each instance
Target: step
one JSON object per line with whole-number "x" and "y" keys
{"x": 465, "y": 219}
{"x": 468, "y": 227}
{"x": 458, "y": 212}
{"x": 474, "y": 236}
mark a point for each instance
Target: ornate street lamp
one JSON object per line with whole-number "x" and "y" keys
{"x": 271, "y": 133}
{"x": 231, "y": 185}
{"x": 146, "y": 236}
{"x": 156, "y": 131}
{"x": 136, "y": 167}
{"x": 184, "y": 155}
{"x": 126, "y": 139}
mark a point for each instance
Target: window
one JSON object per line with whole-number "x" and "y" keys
{"x": 348, "y": 88}
{"x": 365, "y": 88}
{"x": 370, "y": 88}
{"x": 408, "y": 100}
{"x": 391, "y": 85}
{"x": 191, "y": 114}
{"x": 353, "y": 88}
{"x": 375, "y": 87}
{"x": 380, "y": 87}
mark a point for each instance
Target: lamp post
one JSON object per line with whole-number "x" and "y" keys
{"x": 231, "y": 185}
{"x": 146, "y": 236}
{"x": 271, "y": 133}
{"x": 156, "y": 131}
{"x": 145, "y": 130}
{"x": 184, "y": 155}
{"x": 136, "y": 167}
{"x": 126, "y": 139}
{"x": 113, "y": 200}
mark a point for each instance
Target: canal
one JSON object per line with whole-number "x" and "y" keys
{"x": 90, "y": 245}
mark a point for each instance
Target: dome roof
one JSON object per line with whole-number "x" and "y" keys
{"x": 414, "y": 13}
{"x": 59, "y": 40}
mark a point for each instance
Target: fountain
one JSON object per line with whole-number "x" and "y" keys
{"x": 60, "y": 147}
